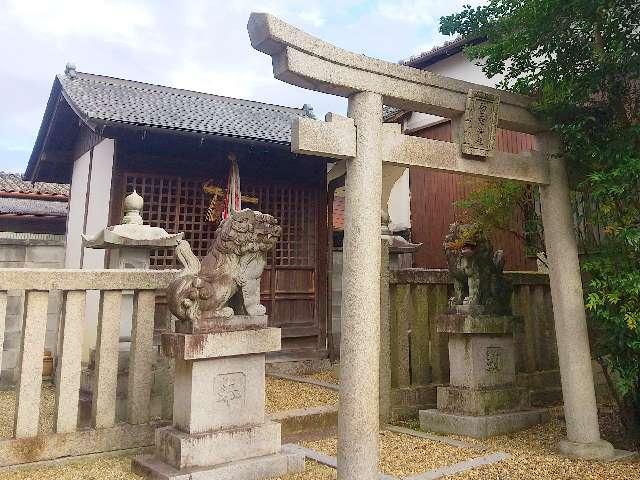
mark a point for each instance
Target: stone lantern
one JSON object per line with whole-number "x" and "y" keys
{"x": 130, "y": 245}
{"x": 131, "y": 242}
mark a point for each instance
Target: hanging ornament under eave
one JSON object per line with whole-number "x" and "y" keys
{"x": 216, "y": 202}
{"x": 221, "y": 203}
{"x": 233, "y": 200}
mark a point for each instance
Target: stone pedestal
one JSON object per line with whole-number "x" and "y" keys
{"x": 219, "y": 427}
{"x": 482, "y": 399}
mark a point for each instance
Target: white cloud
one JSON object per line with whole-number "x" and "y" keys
{"x": 412, "y": 12}
{"x": 313, "y": 17}
{"x": 421, "y": 12}
{"x": 117, "y": 21}
{"x": 204, "y": 78}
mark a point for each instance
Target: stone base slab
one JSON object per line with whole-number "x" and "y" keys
{"x": 199, "y": 346}
{"x": 182, "y": 450}
{"x": 307, "y": 422}
{"x": 475, "y": 323}
{"x": 469, "y": 401}
{"x": 209, "y": 323}
{"x": 82, "y": 442}
{"x": 600, "y": 450}
{"x": 256, "y": 468}
{"x": 480, "y": 427}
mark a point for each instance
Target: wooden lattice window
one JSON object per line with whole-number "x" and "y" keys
{"x": 179, "y": 204}
{"x": 295, "y": 208}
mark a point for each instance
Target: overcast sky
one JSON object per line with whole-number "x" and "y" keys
{"x": 194, "y": 44}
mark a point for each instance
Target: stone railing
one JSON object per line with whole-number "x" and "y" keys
{"x": 418, "y": 354}
{"x": 28, "y": 443}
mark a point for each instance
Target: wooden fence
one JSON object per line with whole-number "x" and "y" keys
{"x": 418, "y": 354}
{"x": 28, "y": 442}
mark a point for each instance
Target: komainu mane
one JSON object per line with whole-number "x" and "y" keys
{"x": 232, "y": 268}
{"x": 476, "y": 270}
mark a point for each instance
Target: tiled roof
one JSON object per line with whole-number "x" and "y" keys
{"x": 106, "y": 99}
{"x": 437, "y": 53}
{"x": 32, "y": 206}
{"x": 14, "y": 183}
{"x": 389, "y": 112}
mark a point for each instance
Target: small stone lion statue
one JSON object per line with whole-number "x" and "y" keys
{"x": 476, "y": 270}
{"x": 232, "y": 268}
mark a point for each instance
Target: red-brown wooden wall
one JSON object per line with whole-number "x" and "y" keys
{"x": 433, "y": 194}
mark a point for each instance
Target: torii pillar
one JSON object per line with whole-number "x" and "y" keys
{"x": 364, "y": 141}
{"x": 360, "y": 328}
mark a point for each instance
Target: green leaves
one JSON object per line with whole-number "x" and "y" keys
{"x": 507, "y": 206}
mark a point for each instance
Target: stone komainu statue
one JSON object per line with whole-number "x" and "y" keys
{"x": 476, "y": 270}
{"x": 231, "y": 269}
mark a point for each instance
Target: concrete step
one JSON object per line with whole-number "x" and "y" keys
{"x": 546, "y": 397}
{"x": 307, "y": 423}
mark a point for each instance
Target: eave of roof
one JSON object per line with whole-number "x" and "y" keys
{"x": 424, "y": 59}
{"x": 47, "y": 119}
{"x": 105, "y": 100}
{"x": 109, "y": 105}
{"x": 14, "y": 185}
{"x": 24, "y": 206}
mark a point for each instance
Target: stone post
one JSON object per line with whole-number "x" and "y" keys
{"x": 385, "y": 335}
{"x": 581, "y": 414}
{"x": 358, "y": 420}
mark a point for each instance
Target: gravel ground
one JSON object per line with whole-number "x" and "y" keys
{"x": 290, "y": 395}
{"x": 534, "y": 457}
{"x": 312, "y": 471}
{"x": 328, "y": 376}
{"x": 8, "y": 408}
{"x": 402, "y": 455}
{"x": 533, "y": 451}
{"x": 113, "y": 468}
{"x": 118, "y": 468}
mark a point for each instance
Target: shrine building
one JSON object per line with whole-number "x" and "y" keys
{"x": 107, "y": 136}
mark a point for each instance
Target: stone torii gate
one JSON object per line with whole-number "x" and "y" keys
{"x": 365, "y": 142}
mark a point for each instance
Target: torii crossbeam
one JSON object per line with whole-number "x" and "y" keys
{"x": 364, "y": 142}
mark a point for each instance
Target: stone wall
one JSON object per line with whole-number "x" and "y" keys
{"x": 28, "y": 250}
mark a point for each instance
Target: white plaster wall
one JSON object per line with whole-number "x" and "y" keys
{"x": 97, "y": 219}
{"x": 399, "y": 204}
{"x": 75, "y": 218}
{"x": 100, "y": 194}
{"x": 98, "y": 163}
{"x": 418, "y": 120}
{"x": 460, "y": 67}
{"x": 456, "y": 66}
